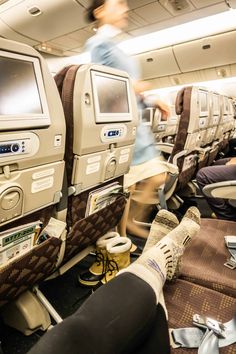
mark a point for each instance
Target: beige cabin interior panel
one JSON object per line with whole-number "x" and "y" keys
{"x": 204, "y": 53}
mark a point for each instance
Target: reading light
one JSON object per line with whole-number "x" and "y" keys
{"x": 34, "y": 11}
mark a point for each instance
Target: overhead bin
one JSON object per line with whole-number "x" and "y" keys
{"x": 207, "y": 52}
{"x": 42, "y": 20}
{"x": 7, "y": 32}
{"x": 158, "y": 63}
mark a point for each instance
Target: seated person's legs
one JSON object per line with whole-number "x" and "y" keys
{"x": 219, "y": 172}
{"x": 120, "y": 317}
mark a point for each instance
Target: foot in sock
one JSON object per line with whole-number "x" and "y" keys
{"x": 164, "y": 222}
{"x": 161, "y": 261}
{"x": 174, "y": 243}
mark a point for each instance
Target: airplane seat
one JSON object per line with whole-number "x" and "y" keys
{"x": 172, "y": 125}
{"x": 231, "y": 120}
{"x": 99, "y": 143}
{"x": 185, "y": 152}
{"x": 159, "y": 125}
{"x": 32, "y": 144}
{"x": 165, "y": 140}
{"x": 215, "y": 117}
{"x": 183, "y": 300}
{"x": 205, "y": 125}
{"x": 222, "y": 130}
{"x": 228, "y": 124}
{"x": 226, "y": 190}
{"x": 206, "y": 285}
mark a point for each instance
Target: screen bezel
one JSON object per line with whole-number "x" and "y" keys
{"x": 215, "y": 111}
{"x": 27, "y": 120}
{"x": 205, "y": 112}
{"x": 110, "y": 117}
{"x": 226, "y": 103}
{"x": 150, "y": 113}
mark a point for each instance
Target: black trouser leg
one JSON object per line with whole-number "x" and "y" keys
{"x": 118, "y": 318}
{"x": 219, "y": 172}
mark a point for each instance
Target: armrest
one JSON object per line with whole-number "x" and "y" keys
{"x": 226, "y": 190}
{"x": 165, "y": 147}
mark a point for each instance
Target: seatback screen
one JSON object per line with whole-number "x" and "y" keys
{"x": 147, "y": 116}
{"x": 112, "y": 95}
{"x": 226, "y": 104}
{"x": 216, "y": 104}
{"x": 203, "y": 102}
{"x": 19, "y": 91}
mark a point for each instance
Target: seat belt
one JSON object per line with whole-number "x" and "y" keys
{"x": 230, "y": 242}
{"x": 208, "y": 337}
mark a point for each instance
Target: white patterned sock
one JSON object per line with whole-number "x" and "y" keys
{"x": 161, "y": 261}
{"x": 164, "y": 222}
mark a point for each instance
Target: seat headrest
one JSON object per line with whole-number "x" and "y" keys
{"x": 60, "y": 76}
{"x": 179, "y": 102}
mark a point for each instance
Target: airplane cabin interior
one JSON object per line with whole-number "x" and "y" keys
{"x": 68, "y": 132}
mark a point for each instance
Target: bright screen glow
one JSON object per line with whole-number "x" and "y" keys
{"x": 112, "y": 94}
{"x": 19, "y": 91}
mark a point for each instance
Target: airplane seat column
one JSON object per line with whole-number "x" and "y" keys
{"x": 215, "y": 117}
{"x": 203, "y": 118}
{"x": 101, "y": 117}
{"x": 188, "y": 139}
{"x": 32, "y": 145}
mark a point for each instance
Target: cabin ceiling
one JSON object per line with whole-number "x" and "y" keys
{"x": 59, "y": 27}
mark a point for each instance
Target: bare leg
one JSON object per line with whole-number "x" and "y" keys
{"x": 151, "y": 184}
{"x": 123, "y": 222}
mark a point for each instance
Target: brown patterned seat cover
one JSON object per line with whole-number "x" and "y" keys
{"x": 31, "y": 268}
{"x": 203, "y": 260}
{"x": 184, "y": 299}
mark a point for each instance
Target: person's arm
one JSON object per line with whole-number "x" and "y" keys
{"x": 156, "y": 102}
{"x": 232, "y": 161}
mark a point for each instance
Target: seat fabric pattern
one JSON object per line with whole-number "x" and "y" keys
{"x": 28, "y": 270}
{"x": 86, "y": 231}
{"x": 203, "y": 261}
{"x": 184, "y": 299}
{"x": 32, "y": 267}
